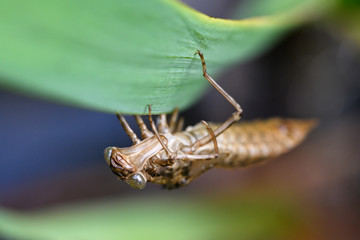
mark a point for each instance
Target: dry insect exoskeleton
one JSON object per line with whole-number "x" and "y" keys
{"x": 174, "y": 158}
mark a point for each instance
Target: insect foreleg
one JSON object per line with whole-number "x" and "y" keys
{"x": 127, "y": 129}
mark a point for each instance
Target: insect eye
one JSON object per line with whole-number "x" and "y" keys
{"x": 137, "y": 181}
{"x": 107, "y": 154}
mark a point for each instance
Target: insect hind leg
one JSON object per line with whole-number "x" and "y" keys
{"x": 235, "y": 116}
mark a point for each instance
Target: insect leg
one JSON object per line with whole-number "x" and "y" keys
{"x": 216, "y": 148}
{"x": 200, "y": 157}
{"x": 170, "y": 154}
{"x": 173, "y": 119}
{"x": 145, "y": 132}
{"x": 162, "y": 123}
{"x": 180, "y": 125}
{"x": 194, "y": 157}
{"x": 127, "y": 129}
{"x": 235, "y": 116}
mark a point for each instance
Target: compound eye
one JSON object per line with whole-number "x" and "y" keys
{"x": 137, "y": 181}
{"x": 107, "y": 154}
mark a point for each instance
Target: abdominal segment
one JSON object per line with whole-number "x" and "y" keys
{"x": 251, "y": 142}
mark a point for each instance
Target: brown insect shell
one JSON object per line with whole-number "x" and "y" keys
{"x": 141, "y": 152}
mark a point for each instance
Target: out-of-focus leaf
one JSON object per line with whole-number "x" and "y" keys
{"x": 120, "y": 55}
{"x": 260, "y": 218}
{"x": 346, "y": 18}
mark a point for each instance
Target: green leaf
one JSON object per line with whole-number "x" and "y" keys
{"x": 120, "y": 55}
{"x": 254, "y": 218}
{"x": 346, "y": 19}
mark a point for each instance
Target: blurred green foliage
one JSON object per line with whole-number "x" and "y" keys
{"x": 259, "y": 217}
{"x": 346, "y": 18}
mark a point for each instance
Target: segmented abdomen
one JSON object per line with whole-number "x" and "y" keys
{"x": 251, "y": 142}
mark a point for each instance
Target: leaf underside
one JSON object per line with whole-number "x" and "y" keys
{"x": 120, "y": 55}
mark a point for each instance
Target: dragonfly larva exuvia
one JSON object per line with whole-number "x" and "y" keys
{"x": 174, "y": 158}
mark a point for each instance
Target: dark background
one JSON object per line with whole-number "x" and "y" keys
{"x": 51, "y": 153}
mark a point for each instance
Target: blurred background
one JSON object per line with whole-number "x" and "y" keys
{"x": 52, "y": 154}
